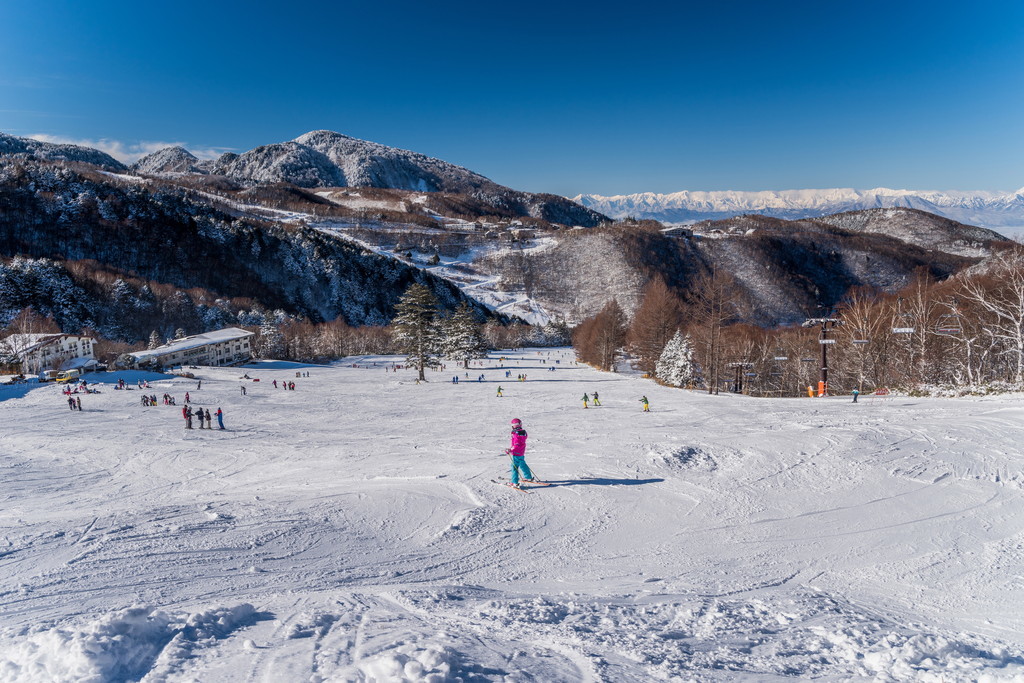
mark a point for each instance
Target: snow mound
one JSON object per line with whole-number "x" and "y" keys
{"x": 311, "y": 625}
{"x": 685, "y": 458}
{"x": 127, "y": 645}
{"x": 414, "y": 662}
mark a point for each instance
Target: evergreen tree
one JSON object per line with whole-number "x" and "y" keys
{"x": 415, "y": 326}
{"x": 463, "y": 339}
{"x": 122, "y": 296}
{"x": 269, "y": 342}
{"x": 557, "y": 333}
{"x": 675, "y": 367}
{"x": 154, "y": 340}
{"x": 180, "y": 333}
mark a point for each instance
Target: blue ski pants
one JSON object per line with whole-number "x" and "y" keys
{"x": 519, "y": 465}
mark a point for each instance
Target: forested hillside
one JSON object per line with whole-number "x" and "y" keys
{"x": 166, "y": 238}
{"x": 783, "y": 271}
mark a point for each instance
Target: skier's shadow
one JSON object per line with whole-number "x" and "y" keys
{"x": 602, "y": 481}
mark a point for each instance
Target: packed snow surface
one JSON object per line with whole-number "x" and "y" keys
{"x": 351, "y": 530}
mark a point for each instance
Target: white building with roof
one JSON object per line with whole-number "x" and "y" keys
{"x": 677, "y": 231}
{"x": 229, "y": 346}
{"x": 55, "y": 351}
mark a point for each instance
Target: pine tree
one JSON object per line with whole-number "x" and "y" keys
{"x": 269, "y": 341}
{"x": 180, "y": 333}
{"x": 557, "y": 333}
{"x": 154, "y": 340}
{"x": 462, "y": 337}
{"x": 415, "y": 328}
{"x": 675, "y": 367}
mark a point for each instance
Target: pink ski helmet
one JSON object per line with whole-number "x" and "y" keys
{"x": 517, "y": 421}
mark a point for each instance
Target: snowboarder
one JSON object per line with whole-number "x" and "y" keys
{"x": 220, "y": 417}
{"x": 499, "y": 392}
{"x": 586, "y": 399}
{"x": 856, "y": 393}
{"x": 517, "y": 451}
{"x": 597, "y": 402}
{"x": 647, "y": 405}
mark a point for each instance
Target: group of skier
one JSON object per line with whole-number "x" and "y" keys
{"x": 203, "y": 416}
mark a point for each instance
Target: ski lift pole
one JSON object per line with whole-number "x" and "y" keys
{"x": 823, "y": 340}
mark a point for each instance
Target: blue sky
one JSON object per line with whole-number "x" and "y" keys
{"x": 600, "y": 97}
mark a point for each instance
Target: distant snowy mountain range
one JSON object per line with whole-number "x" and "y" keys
{"x": 985, "y": 209}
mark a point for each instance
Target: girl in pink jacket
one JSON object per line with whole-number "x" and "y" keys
{"x": 518, "y": 452}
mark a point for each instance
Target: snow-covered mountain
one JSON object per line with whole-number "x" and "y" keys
{"x": 48, "y": 151}
{"x": 986, "y": 209}
{"x": 323, "y": 158}
{"x": 169, "y": 160}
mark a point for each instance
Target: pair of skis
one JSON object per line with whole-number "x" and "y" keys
{"x": 520, "y": 488}
{"x": 534, "y": 482}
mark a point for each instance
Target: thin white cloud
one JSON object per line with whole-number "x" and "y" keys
{"x": 129, "y": 152}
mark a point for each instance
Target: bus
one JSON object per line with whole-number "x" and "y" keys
{"x": 68, "y": 375}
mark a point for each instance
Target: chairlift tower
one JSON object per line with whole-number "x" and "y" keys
{"x": 740, "y": 368}
{"x": 826, "y": 324}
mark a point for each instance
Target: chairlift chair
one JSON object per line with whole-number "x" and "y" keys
{"x": 948, "y": 324}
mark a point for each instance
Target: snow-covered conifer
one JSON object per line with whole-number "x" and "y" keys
{"x": 415, "y": 330}
{"x": 462, "y": 338}
{"x": 557, "y": 333}
{"x": 675, "y": 366}
{"x": 154, "y": 340}
{"x": 269, "y": 342}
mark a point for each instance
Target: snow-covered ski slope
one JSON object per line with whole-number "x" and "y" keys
{"x": 350, "y": 531}
{"x": 464, "y": 272}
